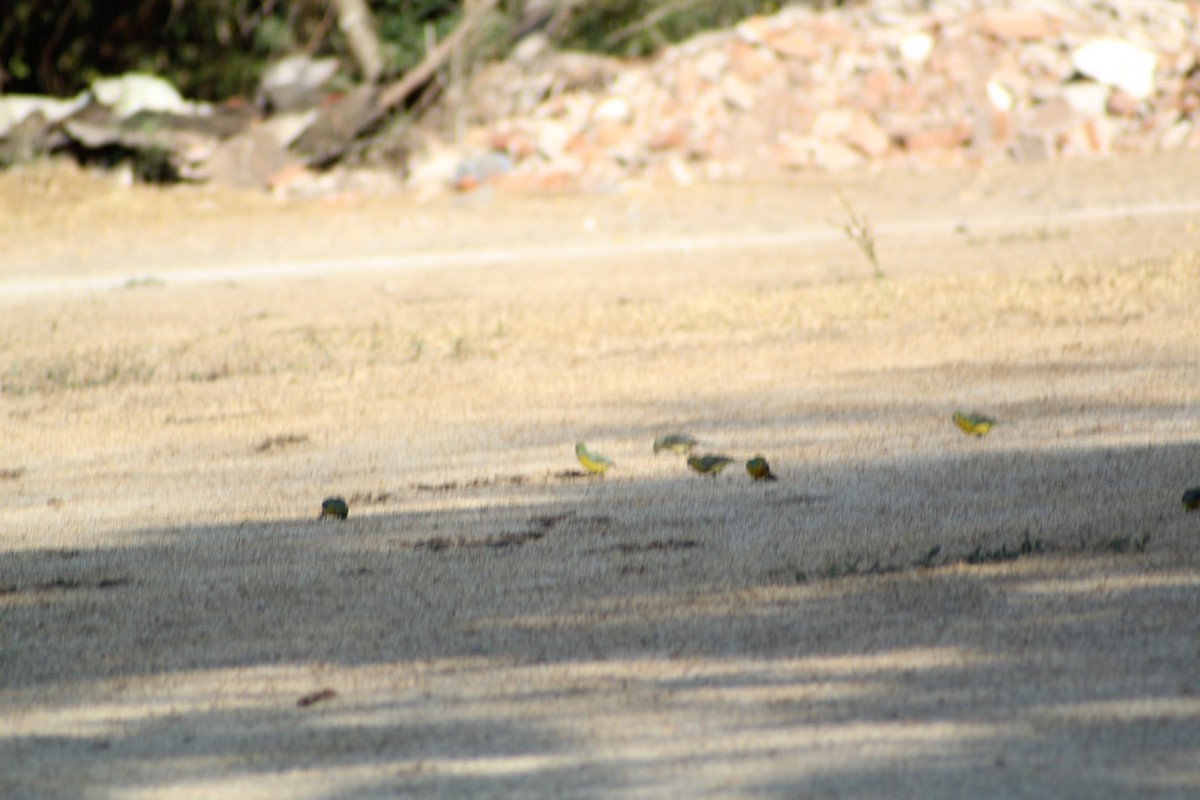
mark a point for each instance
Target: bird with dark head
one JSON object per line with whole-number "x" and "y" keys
{"x": 710, "y": 464}
{"x": 679, "y": 443}
{"x": 759, "y": 469}
{"x": 334, "y": 508}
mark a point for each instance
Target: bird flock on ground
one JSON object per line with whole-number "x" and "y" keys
{"x": 711, "y": 464}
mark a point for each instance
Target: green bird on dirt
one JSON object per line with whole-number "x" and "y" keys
{"x": 679, "y": 443}
{"x": 594, "y": 463}
{"x": 973, "y": 424}
{"x": 1191, "y": 498}
{"x": 759, "y": 469}
{"x": 709, "y": 464}
{"x": 334, "y": 508}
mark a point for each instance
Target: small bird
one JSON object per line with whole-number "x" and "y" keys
{"x": 334, "y": 507}
{"x": 710, "y": 464}
{"x": 759, "y": 469}
{"x": 973, "y": 424}
{"x": 594, "y": 463}
{"x": 675, "y": 442}
{"x": 1191, "y": 498}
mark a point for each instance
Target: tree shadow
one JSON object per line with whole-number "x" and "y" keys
{"x": 608, "y": 638}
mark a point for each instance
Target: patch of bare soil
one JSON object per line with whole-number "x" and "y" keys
{"x": 907, "y": 611}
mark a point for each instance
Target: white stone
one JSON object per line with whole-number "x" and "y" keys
{"x": 916, "y": 47}
{"x": 1086, "y": 98}
{"x": 613, "y": 109}
{"x": 999, "y": 96}
{"x": 1118, "y": 63}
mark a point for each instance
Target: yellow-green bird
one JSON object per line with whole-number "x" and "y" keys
{"x": 973, "y": 424}
{"x": 594, "y": 463}
{"x": 759, "y": 469}
{"x": 334, "y": 507}
{"x": 676, "y": 443}
{"x": 710, "y": 464}
{"x": 1191, "y": 498}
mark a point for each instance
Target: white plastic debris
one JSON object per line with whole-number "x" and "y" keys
{"x": 15, "y": 108}
{"x": 1118, "y": 63}
{"x": 135, "y": 91}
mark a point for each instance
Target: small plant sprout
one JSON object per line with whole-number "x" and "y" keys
{"x": 858, "y": 230}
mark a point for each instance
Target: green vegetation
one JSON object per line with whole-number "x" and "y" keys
{"x": 215, "y": 49}
{"x": 209, "y": 48}
{"x": 639, "y": 28}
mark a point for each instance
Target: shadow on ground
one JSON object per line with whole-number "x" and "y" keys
{"x": 635, "y": 636}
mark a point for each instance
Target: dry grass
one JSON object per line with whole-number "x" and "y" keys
{"x": 151, "y": 335}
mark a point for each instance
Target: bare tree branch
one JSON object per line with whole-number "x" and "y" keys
{"x": 416, "y": 77}
{"x": 358, "y": 26}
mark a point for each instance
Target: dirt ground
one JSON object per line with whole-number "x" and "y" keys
{"x": 907, "y": 611}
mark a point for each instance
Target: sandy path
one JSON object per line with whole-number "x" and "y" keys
{"x": 491, "y": 624}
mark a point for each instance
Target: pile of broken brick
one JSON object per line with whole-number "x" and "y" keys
{"x": 915, "y": 83}
{"x": 888, "y": 82}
